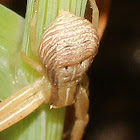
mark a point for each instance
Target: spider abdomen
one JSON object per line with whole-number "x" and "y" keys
{"x": 67, "y": 48}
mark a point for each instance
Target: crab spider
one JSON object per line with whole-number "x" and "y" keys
{"x": 66, "y": 50}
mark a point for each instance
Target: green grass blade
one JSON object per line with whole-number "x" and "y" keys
{"x": 11, "y": 34}
{"x": 5, "y": 78}
{"x": 11, "y": 29}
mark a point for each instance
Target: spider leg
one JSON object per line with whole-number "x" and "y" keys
{"x": 33, "y": 40}
{"x": 81, "y": 113}
{"x": 23, "y": 102}
{"x": 34, "y": 45}
{"x": 104, "y": 8}
{"x": 22, "y": 110}
{"x": 20, "y": 95}
{"x": 32, "y": 64}
{"x": 95, "y": 13}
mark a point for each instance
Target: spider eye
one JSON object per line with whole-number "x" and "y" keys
{"x": 66, "y": 67}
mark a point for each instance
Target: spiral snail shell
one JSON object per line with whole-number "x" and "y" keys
{"x": 67, "y": 48}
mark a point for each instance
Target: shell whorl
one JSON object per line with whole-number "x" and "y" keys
{"x": 67, "y": 48}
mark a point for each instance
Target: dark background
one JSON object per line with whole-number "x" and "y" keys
{"x": 114, "y": 74}
{"x": 115, "y": 77}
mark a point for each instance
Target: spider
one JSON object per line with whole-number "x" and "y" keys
{"x": 66, "y": 50}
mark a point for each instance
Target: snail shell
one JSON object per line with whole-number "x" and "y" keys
{"x": 67, "y": 48}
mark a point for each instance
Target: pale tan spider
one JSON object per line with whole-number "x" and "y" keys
{"x": 66, "y": 50}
